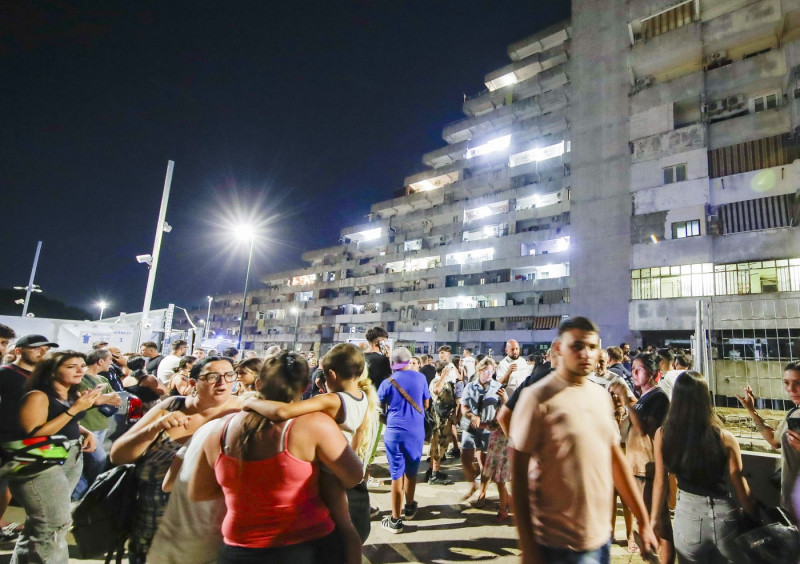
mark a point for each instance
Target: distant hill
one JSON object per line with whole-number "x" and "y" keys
{"x": 40, "y": 305}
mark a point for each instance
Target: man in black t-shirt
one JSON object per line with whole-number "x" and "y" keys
{"x": 377, "y": 356}
{"x": 428, "y": 368}
{"x": 149, "y": 350}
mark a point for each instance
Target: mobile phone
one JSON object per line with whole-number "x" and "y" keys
{"x": 793, "y": 423}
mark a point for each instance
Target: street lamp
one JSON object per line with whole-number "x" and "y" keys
{"x": 208, "y": 317}
{"x": 296, "y": 313}
{"x": 102, "y": 305}
{"x": 244, "y": 232}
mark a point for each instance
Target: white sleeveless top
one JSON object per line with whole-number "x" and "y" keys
{"x": 354, "y": 412}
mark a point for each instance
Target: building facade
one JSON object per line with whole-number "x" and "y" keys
{"x": 625, "y": 165}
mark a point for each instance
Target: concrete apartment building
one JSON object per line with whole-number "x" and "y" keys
{"x": 624, "y": 165}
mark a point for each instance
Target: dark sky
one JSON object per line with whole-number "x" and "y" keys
{"x": 298, "y": 115}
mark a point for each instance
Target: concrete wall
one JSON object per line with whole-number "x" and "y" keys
{"x": 647, "y": 174}
{"x": 601, "y": 208}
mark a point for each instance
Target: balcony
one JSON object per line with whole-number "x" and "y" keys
{"x": 749, "y": 127}
{"x": 669, "y": 143}
{"x": 526, "y": 68}
{"x": 733, "y": 78}
{"x": 754, "y": 21}
{"x": 541, "y": 41}
{"x": 669, "y": 55}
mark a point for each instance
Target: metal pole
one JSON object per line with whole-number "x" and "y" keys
{"x": 208, "y": 318}
{"x": 30, "y": 282}
{"x": 244, "y": 297}
{"x": 102, "y": 309}
{"x": 296, "y": 324}
{"x": 151, "y": 277}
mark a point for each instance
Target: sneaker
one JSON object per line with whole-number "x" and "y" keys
{"x": 428, "y": 474}
{"x": 374, "y": 512}
{"x": 410, "y": 510}
{"x": 394, "y": 526}
{"x": 454, "y": 453}
{"x": 440, "y": 479}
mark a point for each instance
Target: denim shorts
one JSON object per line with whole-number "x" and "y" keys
{"x": 600, "y": 555}
{"x": 477, "y": 439}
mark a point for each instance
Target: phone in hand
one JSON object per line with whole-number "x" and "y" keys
{"x": 793, "y": 423}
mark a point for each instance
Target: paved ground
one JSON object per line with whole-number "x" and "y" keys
{"x": 445, "y": 529}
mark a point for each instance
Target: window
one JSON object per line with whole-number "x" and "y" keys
{"x": 674, "y": 173}
{"x": 682, "y": 229}
{"x": 483, "y": 281}
{"x": 764, "y": 102}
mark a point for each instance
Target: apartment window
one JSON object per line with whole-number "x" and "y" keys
{"x": 767, "y": 152}
{"x": 692, "y": 280}
{"x": 764, "y": 102}
{"x": 460, "y": 282}
{"x": 683, "y": 229}
{"x": 483, "y": 281}
{"x": 771, "y": 212}
{"x": 674, "y": 173}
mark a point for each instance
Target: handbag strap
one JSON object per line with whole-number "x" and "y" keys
{"x": 405, "y": 394}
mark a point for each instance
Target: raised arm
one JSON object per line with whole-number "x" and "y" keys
{"x": 134, "y": 442}
{"x": 748, "y": 401}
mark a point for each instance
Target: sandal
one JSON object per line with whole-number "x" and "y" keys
{"x": 501, "y": 516}
{"x": 473, "y": 488}
{"x": 633, "y": 548}
{"x": 480, "y": 502}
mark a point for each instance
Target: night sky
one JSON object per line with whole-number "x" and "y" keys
{"x": 295, "y": 116}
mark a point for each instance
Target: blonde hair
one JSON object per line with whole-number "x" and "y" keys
{"x": 369, "y": 437}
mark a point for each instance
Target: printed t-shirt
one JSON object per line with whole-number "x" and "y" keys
{"x": 94, "y": 420}
{"x": 568, "y": 429}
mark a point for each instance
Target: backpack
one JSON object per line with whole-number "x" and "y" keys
{"x": 101, "y": 521}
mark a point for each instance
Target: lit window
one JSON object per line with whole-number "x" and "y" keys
{"x": 764, "y": 102}
{"x": 674, "y": 173}
{"x": 539, "y": 154}
{"x": 460, "y": 282}
{"x": 489, "y": 147}
{"x": 682, "y": 229}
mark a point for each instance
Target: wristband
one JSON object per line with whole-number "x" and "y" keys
{"x": 70, "y": 415}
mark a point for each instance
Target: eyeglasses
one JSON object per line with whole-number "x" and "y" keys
{"x": 213, "y": 377}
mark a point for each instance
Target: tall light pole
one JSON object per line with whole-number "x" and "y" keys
{"x": 245, "y": 233}
{"x": 208, "y": 317}
{"x": 102, "y": 305}
{"x": 30, "y": 287}
{"x": 296, "y": 312}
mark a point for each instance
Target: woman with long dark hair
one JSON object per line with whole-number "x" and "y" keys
{"x": 693, "y": 445}
{"x": 268, "y": 473}
{"x": 53, "y": 406}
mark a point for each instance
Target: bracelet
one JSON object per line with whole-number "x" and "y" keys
{"x": 70, "y": 415}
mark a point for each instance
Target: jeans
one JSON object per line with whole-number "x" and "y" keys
{"x": 94, "y": 463}
{"x": 326, "y": 550}
{"x": 46, "y": 500}
{"x": 600, "y": 555}
{"x": 704, "y": 526}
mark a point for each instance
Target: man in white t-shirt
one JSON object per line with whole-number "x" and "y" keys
{"x": 512, "y": 370}
{"x": 563, "y": 429}
{"x": 167, "y": 366}
{"x": 468, "y": 362}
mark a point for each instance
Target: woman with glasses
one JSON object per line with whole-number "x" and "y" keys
{"x": 154, "y": 441}
{"x": 53, "y": 406}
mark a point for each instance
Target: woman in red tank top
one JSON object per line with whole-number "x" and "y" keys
{"x": 269, "y": 475}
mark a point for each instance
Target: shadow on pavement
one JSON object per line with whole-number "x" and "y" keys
{"x": 458, "y": 550}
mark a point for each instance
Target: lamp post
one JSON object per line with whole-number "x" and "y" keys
{"x": 208, "y": 317}
{"x": 102, "y": 305}
{"x": 296, "y": 312}
{"x": 244, "y": 233}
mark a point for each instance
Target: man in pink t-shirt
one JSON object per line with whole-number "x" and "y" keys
{"x": 566, "y": 459}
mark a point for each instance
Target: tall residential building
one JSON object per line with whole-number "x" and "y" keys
{"x": 624, "y": 166}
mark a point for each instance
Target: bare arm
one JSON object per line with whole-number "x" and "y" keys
{"x": 329, "y": 404}
{"x": 520, "y": 493}
{"x": 333, "y": 451}
{"x": 203, "y": 484}
{"x": 133, "y": 443}
{"x": 660, "y": 482}
{"x": 33, "y": 413}
{"x": 748, "y": 401}
{"x": 172, "y": 474}
{"x": 623, "y": 482}
{"x": 738, "y": 480}
{"x": 504, "y": 418}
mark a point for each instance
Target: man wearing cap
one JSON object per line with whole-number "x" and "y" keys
{"x": 405, "y": 396}
{"x": 29, "y": 350}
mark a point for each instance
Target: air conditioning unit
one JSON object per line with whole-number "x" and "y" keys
{"x": 714, "y": 108}
{"x": 643, "y": 82}
{"x": 715, "y": 58}
{"x": 735, "y": 103}
{"x": 713, "y": 225}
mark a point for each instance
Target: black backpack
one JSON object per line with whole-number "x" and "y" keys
{"x": 101, "y": 521}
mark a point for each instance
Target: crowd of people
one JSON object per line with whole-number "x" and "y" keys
{"x": 267, "y": 459}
